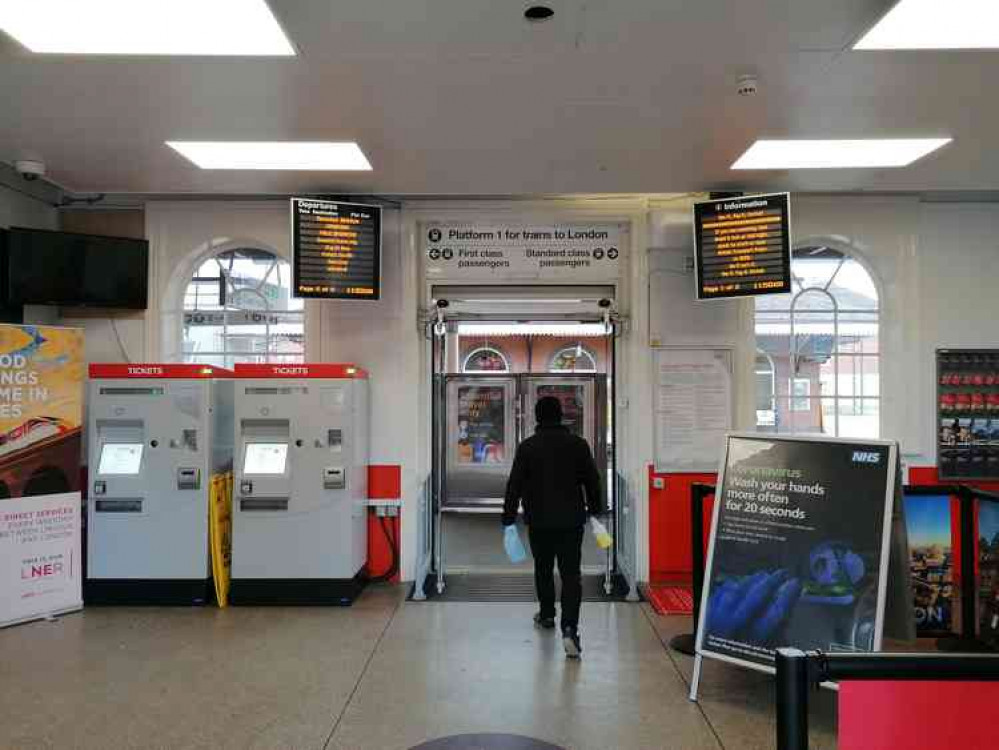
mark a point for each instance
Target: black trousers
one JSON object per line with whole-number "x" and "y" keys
{"x": 565, "y": 546}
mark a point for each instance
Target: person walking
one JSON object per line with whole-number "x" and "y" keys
{"x": 556, "y": 478}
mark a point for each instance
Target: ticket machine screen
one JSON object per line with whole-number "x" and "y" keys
{"x": 265, "y": 458}
{"x": 120, "y": 458}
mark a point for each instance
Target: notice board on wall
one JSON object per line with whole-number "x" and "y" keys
{"x": 800, "y": 546}
{"x": 693, "y": 408}
{"x": 337, "y": 249}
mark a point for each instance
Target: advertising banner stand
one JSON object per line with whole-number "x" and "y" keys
{"x": 801, "y": 539}
{"x": 41, "y": 411}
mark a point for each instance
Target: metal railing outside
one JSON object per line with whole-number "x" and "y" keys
{"x": 799, "y": 672}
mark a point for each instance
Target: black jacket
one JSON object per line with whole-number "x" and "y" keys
{"x": 551, "y": 470}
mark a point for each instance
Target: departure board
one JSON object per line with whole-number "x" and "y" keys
{"x": 743, "y": 246}
{"x": 337, "y": 249}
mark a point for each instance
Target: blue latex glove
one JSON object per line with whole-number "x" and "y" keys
{"x": 512, "y": 544}
{"x": 753, "y": 608}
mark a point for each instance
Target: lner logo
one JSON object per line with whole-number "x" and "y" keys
{"x": 866, "y": 457}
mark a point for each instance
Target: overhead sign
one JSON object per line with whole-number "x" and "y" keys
{"x": 743, "y": 246}
{"x": 41, "y": 410}
{"x": 337, "y": 249}
{"x": 799, "y": 548}
{"x": 562, "y": 252}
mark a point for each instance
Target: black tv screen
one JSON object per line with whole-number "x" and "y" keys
{"x": 59, "y": 268}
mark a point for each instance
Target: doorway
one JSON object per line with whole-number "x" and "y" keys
{"x": 488, "y": 374}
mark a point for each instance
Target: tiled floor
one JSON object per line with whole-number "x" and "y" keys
{"x": 382, "y": 675}
{"x": 474, "y": 541}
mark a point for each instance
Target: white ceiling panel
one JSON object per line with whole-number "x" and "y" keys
{"x": 465, "y": 97}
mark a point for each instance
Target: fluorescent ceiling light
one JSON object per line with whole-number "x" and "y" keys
{"x": 143, "y": 27}
{"x": 832, "y": 154}
{"x": 315, "y": 157}
{"x": 936, "y": 24}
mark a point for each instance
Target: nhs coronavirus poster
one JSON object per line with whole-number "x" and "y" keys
{"x": 41, "y": 411}
{"x": 800, "y": 548}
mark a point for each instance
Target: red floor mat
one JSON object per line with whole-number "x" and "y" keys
{"x": 671, "y": 600}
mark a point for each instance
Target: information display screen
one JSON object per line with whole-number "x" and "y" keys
{"x": 743, "y": 246}
{"x": 120, "y": 458}
{"x": 265, "y": 458}
{"x": 337, "y": 249}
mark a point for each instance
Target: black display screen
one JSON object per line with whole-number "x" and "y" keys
{"x": 743, "y": 246}
{"x": 337, "y": 249}
{"x": 59, "y": 268}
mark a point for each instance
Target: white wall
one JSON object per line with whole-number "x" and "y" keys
{"x": 935, "y": 264}
{"x": 19, "y": 210}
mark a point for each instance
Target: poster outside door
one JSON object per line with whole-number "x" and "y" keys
{"x": 800, "y": 548}
{"x": 41, "y": 412}
{"x": 482, "y": 424}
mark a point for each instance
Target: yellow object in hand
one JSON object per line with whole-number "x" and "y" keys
{"x": 600, "y": 533}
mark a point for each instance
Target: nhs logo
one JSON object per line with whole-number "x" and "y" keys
{"x": 866, "y": 457}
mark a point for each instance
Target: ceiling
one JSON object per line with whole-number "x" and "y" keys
{"x": 465, "y": 97}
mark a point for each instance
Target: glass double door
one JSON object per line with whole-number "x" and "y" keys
{"x": 486, "y": 416}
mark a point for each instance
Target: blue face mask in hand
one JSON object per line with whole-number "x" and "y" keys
{"x": 512, "y": 544}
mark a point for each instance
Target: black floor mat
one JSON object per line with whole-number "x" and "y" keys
{"x": 513, "y": 587}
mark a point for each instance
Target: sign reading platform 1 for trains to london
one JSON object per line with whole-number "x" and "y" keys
{"x": 743, "y": 246}
{"x": 556, "y": 252}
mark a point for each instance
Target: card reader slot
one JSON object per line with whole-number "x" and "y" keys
{"x": 131, "y": 505}
{"x": 263, "y": 503}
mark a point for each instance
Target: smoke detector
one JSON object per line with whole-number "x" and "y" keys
{"x": 747, "y": 85}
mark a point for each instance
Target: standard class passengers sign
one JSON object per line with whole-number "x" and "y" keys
{"x": 575, "y": 252}
{"x": 337, "y": 249}
{"x": 743, "y": 246}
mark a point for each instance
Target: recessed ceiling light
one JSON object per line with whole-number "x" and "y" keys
{"x": 832, "y": 154}
{"x": 171, "y": 27}
{"x": 315, "y": 157}
{"x": 936, "y": 24}
{"x": 538, "y": 13}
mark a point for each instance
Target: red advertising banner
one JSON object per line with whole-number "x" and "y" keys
{"x": 41, "y": 413}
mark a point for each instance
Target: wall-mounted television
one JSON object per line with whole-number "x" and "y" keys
{"x": 60, "y": 268}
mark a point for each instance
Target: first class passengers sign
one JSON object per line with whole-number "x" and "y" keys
{"x": 482, "y": 252}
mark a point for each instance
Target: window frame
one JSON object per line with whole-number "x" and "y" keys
{"x": 576, "y": 347}
{"x": 225, "y": 309}
{"x": 486, "y": 348}
{"x": 861, "y": 403}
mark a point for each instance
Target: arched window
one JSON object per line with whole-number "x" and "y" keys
{"x": 486, "y": 359}
{"x": 238, "y": 308}
{"x": 766, "y": 391}
{"x": 822, "y": 341}
{"x": 573, "y": 359}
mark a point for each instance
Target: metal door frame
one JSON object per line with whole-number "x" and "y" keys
{"x": 439, "y": 380}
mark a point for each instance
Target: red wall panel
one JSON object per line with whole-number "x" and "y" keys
{"x": 917, "y": 715}
{"x": 669, "y": 525}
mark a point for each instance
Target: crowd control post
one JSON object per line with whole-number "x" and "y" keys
{"x": 686, "y": 642}
{"x": 798, "y": 672}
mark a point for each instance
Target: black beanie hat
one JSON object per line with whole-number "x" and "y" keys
{"x": 548, "y": 410}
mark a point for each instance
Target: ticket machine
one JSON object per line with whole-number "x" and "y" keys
{"x": 301, "y": 478}
{"x": 157, "y": 434}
